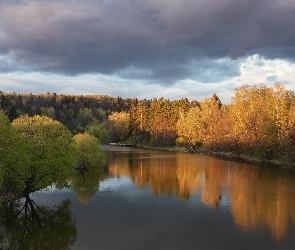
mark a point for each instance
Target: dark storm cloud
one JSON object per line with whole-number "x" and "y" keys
{"x": 162, "y": 40}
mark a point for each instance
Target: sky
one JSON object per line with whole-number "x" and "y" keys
{"x": 146, "y": 48}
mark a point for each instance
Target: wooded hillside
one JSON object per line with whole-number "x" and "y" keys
{"x": 260, "y": 120}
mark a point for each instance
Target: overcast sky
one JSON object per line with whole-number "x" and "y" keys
{"x": 146, "y": 48}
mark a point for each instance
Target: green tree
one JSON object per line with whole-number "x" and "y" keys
{"x": 100, "y": 114}
{"x": 85, "y": 117}
{"x": 50, "y": 156}
{"x": 85, "y": 179}
{"x": 100, "y": 131}
{"x": 13, "y": 153}
{"x": 87, "y": 151}
{"x": 50, "y": 112}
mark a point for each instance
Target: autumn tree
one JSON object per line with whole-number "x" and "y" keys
{"x": 139, "y": 118}
{"x": 248, "y": 114}
{"x": 210, "y": 114}
{"x": 120, "y": 122}
{"x": 224, "y": 139}
{"x": 199, "y": 124}
{"x": 281, "y": 110}
{"x": 162, "y": 118}
{"x": 189, "y": 126}
{"x": 262, "y": 118}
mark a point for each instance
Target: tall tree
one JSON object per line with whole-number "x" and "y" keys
{"x": 162, "y": 122}
{"x": 121, "y": 123}
{"x": 210, "y": 115}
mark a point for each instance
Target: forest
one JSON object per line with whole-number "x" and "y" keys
{"x": 259, "y": 121}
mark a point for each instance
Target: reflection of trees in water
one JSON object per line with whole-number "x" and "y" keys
{"x": 258, "y": 196}
{"x": 85, "y": 182}
{"x": 263, "y": 198}
{"x": 25, "y": 225}
{"x": 159, "y": 171}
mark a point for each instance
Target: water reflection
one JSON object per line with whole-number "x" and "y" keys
{"x": 85, "y": 182}
{"x": 25, "y": 225}
{"x": 130, "y": 206}
{"x": 259, "y": 197}
{"x": 268, "y": 200}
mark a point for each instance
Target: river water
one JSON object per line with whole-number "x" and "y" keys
{"x": 149, "y": 199}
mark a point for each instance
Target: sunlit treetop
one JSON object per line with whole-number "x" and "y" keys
{"x": 48, "y": 144}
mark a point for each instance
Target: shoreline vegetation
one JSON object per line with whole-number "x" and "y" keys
{"x": 44, "y": 137}
{"x": 281, "y": 163}
{"x": 37, "y": 151}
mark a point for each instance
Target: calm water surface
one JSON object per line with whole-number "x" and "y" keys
{"x": 167, "y": 200}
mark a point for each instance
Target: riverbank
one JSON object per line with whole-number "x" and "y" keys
{"x": 279, "y": 162}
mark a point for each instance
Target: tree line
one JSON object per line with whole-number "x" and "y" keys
{"x": 74, "y": 111}
{"x": 258, "y": 121}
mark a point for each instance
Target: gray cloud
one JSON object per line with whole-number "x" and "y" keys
{"x": 158, "y": 40}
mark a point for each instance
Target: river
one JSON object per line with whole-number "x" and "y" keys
{"x": 151, "y": 199}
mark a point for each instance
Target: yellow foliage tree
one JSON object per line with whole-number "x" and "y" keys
{"x": 121, "y": 123}
{"x": 261, "y": 116}
{"x": 210, "y": 115}
{"x": 189, "y": 125}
